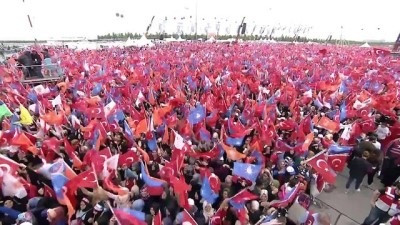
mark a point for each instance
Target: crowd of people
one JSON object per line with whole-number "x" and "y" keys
{"x": 198, "y": 133}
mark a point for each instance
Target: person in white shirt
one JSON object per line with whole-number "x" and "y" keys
{"x": 374, "y": 141}
{"x": 382, "y": 131}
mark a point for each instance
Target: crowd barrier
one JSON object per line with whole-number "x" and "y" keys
{"x": 37, "y": 74}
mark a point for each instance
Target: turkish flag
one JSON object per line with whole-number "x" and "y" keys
{"x": 188, "y": 219}
{"x": 307, "y": 142}
{"x": 380, "y": 51}
{"x": 96, "y": 112}
{"x": 98, "y": 159}
{"x": 243, "y": 196}
{"x": 337, "y": 162}
{"x": 212, "y": 154}
{"x": 8, "y": 165}
{"x": 320, "y": 165}
{"x": 329, "y": 125}
{"x": 48, "y": 192}
{"x": 86, "y": 179}
{"x": 128, "y": 158}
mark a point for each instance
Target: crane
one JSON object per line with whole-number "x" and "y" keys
{"x": 149, "y": 26}
{"x": 239, "y": 28}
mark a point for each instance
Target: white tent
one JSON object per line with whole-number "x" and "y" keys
{"x": 212, "y": 40}
{"x": 180, "y": 39}
{"x": 270, "y": 41}
{"x": 143, "y": 41}
{"x": 129, "y": 42}
{"x": 171, "y": 39}
{"x": 365, "y": 45}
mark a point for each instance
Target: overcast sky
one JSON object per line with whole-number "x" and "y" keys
{"x": 88, "y": 18}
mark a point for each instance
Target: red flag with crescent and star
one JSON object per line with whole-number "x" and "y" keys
{"x": 337, "y": 162}
{"x": 8, "y": 165}
{"x": 86, "y": 179}
{"x": 128, "y": 158}
{"x": 319, "y": 164}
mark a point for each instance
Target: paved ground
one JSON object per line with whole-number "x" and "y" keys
{"x": 347, "y": 209}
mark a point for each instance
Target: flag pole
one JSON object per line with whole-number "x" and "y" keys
{"x": 320, "y": 153}
{"x": 112, "y": 210}
{"x": 95, "y": 175}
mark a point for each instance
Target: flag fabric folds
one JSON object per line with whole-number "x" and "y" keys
{"x": 319, "y": 163}
{"x": 246, "y": 170}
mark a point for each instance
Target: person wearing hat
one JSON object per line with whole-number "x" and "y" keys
{"x": 26, "y": 217}
{"x": 84, "y": 213}
{"x": 98, "y": 211}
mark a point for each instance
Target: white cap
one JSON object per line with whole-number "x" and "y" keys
{"x": 255, "y": 205}
{"x": 215, "y": 135}
{"x": 290, "y": 169}
{"x": 191, "y": 202}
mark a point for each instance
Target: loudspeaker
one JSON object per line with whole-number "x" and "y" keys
{"x": 244, "y": 28}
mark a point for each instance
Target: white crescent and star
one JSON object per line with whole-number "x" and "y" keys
{"x": 129, "y": 159}
{"x": 96, "y": 111}
{"x": 364, "y": 112}
{"x": 319, "y": 161}
{"x": 5, "y": 168}
{"x": 336, "y": 164}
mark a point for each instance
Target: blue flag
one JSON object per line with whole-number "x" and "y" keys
{"x": 97, "y": 89}
{"x": 137, "y": 214}
{"x": 336, "y": 149}
{"x": 128, "y": 131}
{"x": 147, "y": 179}
{"x": 246, "y": 170}
{"x": 197, "y": 115}
{"x": 206, "y": 192}
{"x": 343, "y": 113}
{"x": 237, "y": 142}
{"x": 58, "y": 181}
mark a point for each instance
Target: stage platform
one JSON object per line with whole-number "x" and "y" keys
{"x": 37, "y": 81}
